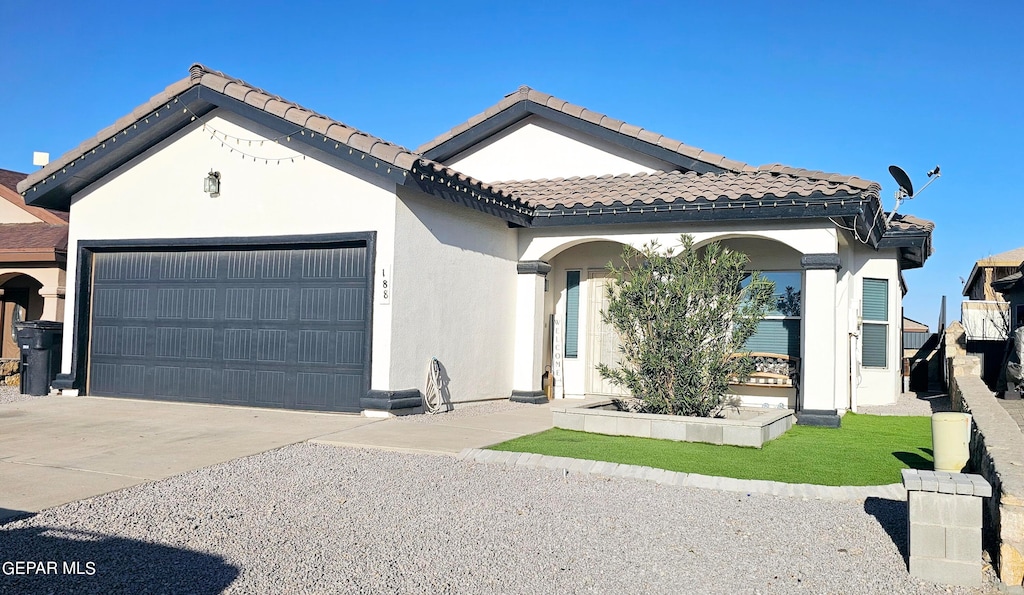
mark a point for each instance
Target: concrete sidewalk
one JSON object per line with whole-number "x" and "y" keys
{"x": 56, "y": 450}
{"x": 446, "y": 433}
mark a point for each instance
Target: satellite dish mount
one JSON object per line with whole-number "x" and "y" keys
{"x": 906, "y": 187}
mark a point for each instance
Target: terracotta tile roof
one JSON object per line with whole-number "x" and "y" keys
{"x": 525, "y": 93}
{"x": 910, "y": 223}
{"x": 674, "y": 186}
{"x": 242, "y": 91}
{"x": 33, "y": 237}
{"x": 199, "y": 75}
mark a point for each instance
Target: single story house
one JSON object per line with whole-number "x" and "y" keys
{"x": 231, "y": 246}
{"x": 33, "y": 253}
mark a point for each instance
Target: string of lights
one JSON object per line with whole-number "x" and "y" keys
{"x": 476, "y": 190}
{"x": 732, "y": 205}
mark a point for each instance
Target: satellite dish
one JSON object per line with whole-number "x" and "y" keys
{"x": 906, "y": 190}
{"x": 903, "y": 180}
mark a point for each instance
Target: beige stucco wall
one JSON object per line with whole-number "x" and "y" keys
{"x": 51, "y": 294}
{"x": 535, "y": 148}
{"x": 11, "y": 213}
{"x": 160, "y": 195}
{"x": 454, "y": 298}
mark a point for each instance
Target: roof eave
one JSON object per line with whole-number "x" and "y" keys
{"x": 726, "y": 210}
{"x": 63, "y": 182}
{"x": 914, "y": 247}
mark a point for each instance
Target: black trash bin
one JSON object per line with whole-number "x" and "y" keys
{"x": 40, "y": 344}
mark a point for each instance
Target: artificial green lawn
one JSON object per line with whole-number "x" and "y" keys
{"x": 866, "y": 450}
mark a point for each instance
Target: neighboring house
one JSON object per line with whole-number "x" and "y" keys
{"x": 1010, "y": 288}
{"x": 915, "y": 334}
{"x": 330, "y": 266}
{"x": 33, "y": 255}
{"x": 985, "y": 314}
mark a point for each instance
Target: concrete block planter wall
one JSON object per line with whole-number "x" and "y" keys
{"x": 742, "y": 427}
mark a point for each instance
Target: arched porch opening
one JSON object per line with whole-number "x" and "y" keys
{"x": 777, "y": 346}
{"x": 19, "y": 300}
{"x": 576, "y": 337}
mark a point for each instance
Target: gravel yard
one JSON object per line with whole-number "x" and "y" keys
{"x": 314, "y": 519}
{"x": 12, "y": 394}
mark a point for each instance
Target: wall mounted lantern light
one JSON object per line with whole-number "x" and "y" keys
{"x": 211, "y": 185}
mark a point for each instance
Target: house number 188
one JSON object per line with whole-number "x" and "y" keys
{"x": 384, "y": 289}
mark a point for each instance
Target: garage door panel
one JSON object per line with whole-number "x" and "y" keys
{"x": 277, "y": 328}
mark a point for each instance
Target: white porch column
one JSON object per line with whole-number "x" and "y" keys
{"x": 818, "y": 377}
{"x": 53, "y": 303}
{"x": 529, "y": 346}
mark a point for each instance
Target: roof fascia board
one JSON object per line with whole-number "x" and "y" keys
{"x": 361, "y": 159}
{"x": 970, "y": 278}
{"x": 913, "y": 247}
{"x": 33, "y": 256}
{"x": 423, "y": 182}
{"x": 55, "y": 192}
{"x": 706, "y": 212}
{"x": 522, "y": 109}
{"x": 479, "y": 132}
{"x": 311, "y": 139}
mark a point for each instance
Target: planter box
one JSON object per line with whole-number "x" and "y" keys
{"x": 741, "y": 427}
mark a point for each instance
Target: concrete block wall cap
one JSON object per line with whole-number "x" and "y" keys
{"x": 981, "y": 487}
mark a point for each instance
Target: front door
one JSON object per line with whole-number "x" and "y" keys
{"x": 602, "y": 339}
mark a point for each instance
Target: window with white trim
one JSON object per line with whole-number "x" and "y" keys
{"x": 779, "y": 332}
{"x": 572, "y": 313}
{"x": 875, "y": 328}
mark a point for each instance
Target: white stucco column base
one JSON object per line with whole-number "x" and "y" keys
{"x": 529, "y": 345}
{"x": 818, "y": 390}
{"x": 53, "y": 304}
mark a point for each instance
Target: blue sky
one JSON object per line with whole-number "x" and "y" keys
{"x": 848, "y": 88}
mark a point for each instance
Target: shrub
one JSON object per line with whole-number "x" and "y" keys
{"x": 682, "y": 322}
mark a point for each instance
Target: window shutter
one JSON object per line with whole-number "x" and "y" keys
{"x": 776, "y": 336}
{"x": 572, "y": 313}
{"x": 876, "y": 299}
{"x": 874, "y": 345}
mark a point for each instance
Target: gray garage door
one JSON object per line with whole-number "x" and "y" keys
{"x": 271, "y": 328}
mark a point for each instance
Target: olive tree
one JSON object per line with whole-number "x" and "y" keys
{"x": 682, "y": 321}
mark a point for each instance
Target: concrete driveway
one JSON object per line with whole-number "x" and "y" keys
{"x": 56, "y": 450}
